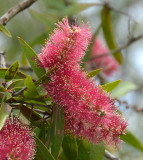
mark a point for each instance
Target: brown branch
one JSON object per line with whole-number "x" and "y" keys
{"x": 130, "y": 42}
{"x": 22, "y": 102}
{"x": 2, "y": 59}
{"x": 110, "y": 156}
{"x": 127, "y": 106}
{"x": 19, "y": 92}
{"x": 15, "y": 10}
{"x": 21, "y": 67}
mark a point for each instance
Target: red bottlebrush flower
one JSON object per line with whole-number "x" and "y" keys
{"x": 89, "y": 111}
{"x": 16, "y": 141}
{"x": 108, "y": 64}
{"x": 65, "y": 45}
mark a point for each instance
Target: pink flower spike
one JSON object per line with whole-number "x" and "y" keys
{"x": 108, "y": 64}
{"x": 89, "y": 111}
{"x": 16, "y": 141}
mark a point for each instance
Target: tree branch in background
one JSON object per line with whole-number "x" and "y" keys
{"x": 2, "y": 59}
{"x": 110, "y": 156}
{"x": 21, "y": 67}
{"x": 131, "y": 40}
{"x": 15, "y": 10}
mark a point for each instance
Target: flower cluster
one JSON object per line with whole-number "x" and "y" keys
{"x": 89, "y": 111}
{"x": 16, "y": 141}
{"x": 102, "y": 58}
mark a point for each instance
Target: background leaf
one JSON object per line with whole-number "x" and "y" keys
{"x": 5, "y": 31}
{"x": 32, "y": 58}
{"x": 108, "y": 32}
{"x": 123, "y": 88}
{"x": 132, "y": 140}
{"x": 110, "y": 86}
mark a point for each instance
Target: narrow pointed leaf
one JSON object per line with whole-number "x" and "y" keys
{"x": 30, "y": 91}
{"x": 42, "y": 151}
{"x": 5, "y": 31}
{"x": 56, "y": 131}
{"x": 70, "y": 147}
{"x": 16, "y": 83}
{"x": 12, "y": 71}
{"x": 5, "y": 110}
{"x": 108, "y": 32}
{"x": 110, "y": 86}
{"x": 32, "y": 58}
{"x": 123, "y": 88}
{"x": 132, "y": 140}
{"x": 93, "y": 73}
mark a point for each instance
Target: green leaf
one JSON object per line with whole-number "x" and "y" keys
{"x": 87, "y": 150}
{"x": 62, "y": 156}
{"x": 70, "y": 147}
{"x": 123, "y": 88}
{"x": 2, "y": 89}
{"x": 97, "y": 151}
{"x": 4, "y": 113}
{"x": 42, "y": 151}
{"x": 83, "y": 150}
{"x": 30, "y": 91}
{"x": 132, "y": 140}
{"x": 36, "y": 130}
{"x": 56, "y": 131}
{"x": 44, "y": 78}
{"x": 12, "y": 71}
{"x": 93, "y": 73}
{"x": 16, "y": 83}
{"x": 32, "y": 58}
{"x": 108, "y": 32}
{"x": 5, "y": 31}
{"x": 24, "y": 60}
{"x": 29, "y": 113}
{"x": 110, "y": 86}
{"x": 19, "y": 75}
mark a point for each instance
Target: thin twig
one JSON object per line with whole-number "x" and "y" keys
{"x": 110, "y": 156}
{"x": 41, "y": 105}
{"x": 21, "y": 67}
{"x": 130, "y": 42}
{"x": 15, "y": 10}
{"x": 19, "y": 92}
